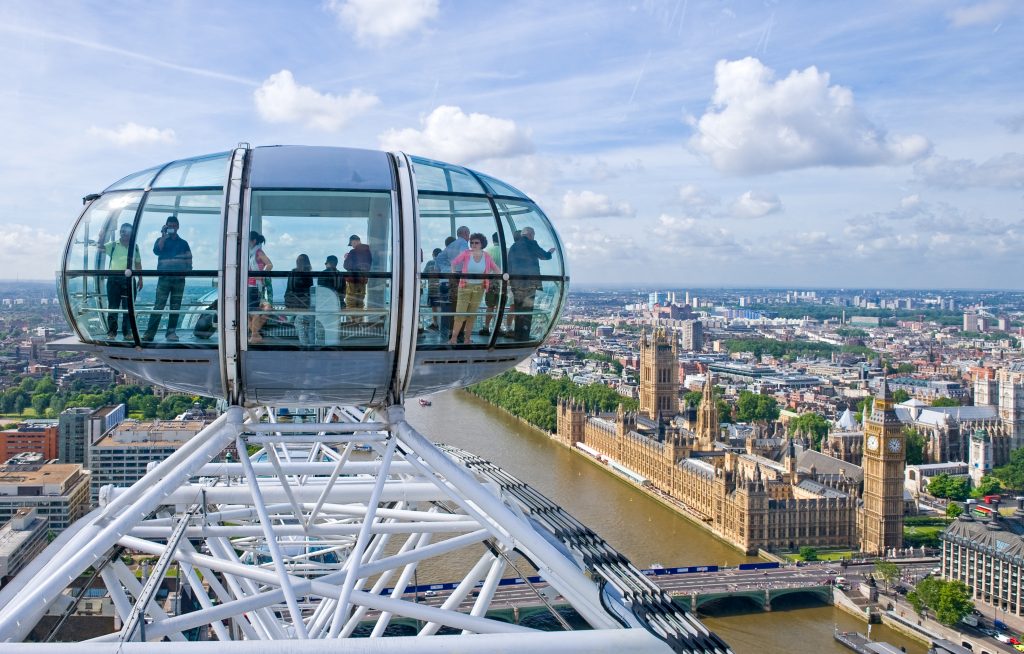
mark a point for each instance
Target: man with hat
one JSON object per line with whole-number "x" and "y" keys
{"x": 357, "y": 260}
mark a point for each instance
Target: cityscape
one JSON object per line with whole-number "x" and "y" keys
{"x": 765, "y": 418}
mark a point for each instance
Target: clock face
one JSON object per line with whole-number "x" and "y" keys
{"x": 872, "y": 443}
{"x": 895, "y": 445}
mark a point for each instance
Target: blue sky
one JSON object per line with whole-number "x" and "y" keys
{"x": 676, "y": 142}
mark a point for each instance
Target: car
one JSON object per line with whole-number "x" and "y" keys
{"x": 999, "y": 624}
{"x": 431, "y": 593}
{"x": 1014, "y": 641}
{"x": 1002, "y": 638}
{"x": 830, "y": 571}
{"x": 1019, "y": 647}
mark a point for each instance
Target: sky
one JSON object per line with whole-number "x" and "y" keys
{"x": 672, "y": 143}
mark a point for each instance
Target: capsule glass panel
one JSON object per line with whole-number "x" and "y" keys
{"x": 98, "y": 305}
{"x": 202, "y": 171}
{"x": 139, "y": 180}
{"x": 99, "y": 228}
{"x": 535, "y": 254}
{"x": 442, "y": 217}
{"x": 177, "y": 309}
{"x": 102, "y": 242}
{"x": 195, "y": 243}
{"x": 437, "y": 176}
{"x": 323, "y": 268}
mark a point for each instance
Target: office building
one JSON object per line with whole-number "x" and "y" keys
{"x": 31, "y": 436}
{"x": 987, "y": 554}
{"x": 58, "y": 491}
{"x": 21, "y": 539}
{"x": 120, "y": 456}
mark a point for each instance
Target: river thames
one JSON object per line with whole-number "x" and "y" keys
{"x": 632, "y": 522}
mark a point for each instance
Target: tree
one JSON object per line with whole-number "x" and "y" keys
{"x": 954, "y": 510}
{"x": 900, "y": 395}
{"x": 693, "y": 399}
{"x": 947, "y": 487}
{"x": 905, "y": 369}
{"x": 864, "y": 406}
{"x": 950, "y": 600}
{"x": 808, "y": 553}
{"x": 811, "y": 424}
{"x": 925, "y": 595}
{"x": 988, "y": 485}
{"x": 1012, "y": 474}
{"x": 753, "y": 407}
{"x": 945, "y": 401}
{"x": 915, "y": 446}
{"x": 889, "y": 572}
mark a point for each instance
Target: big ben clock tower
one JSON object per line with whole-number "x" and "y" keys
{"x": 884, "y": 460}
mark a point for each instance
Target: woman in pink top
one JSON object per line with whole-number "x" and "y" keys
{"x": 471, "y": 291}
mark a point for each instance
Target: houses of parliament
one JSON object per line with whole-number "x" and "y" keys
{"x": 758, "y": 493}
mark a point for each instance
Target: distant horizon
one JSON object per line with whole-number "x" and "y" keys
{"x": 729, "y": 287}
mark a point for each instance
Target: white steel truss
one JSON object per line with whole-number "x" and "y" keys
{"x": 306, "y": 532}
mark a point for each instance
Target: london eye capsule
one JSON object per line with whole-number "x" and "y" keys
{"x": 313, "y": 275}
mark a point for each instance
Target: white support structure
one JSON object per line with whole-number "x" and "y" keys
{"x": 309, "y": 532}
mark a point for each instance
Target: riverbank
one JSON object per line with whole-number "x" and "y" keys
{"x": 643, "y": 530}
{"x": 650, "y": 491}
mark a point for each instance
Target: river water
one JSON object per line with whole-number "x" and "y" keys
{"x": 638, "y": 526}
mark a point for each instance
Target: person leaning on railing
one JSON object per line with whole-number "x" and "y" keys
{"x": 524, "y": 259}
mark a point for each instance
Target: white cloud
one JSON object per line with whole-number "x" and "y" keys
{"x": 1004, "y": 171}
{"x": 24, "y": 248}
{"x": 377, "y": 21}
{"x": 134, "y": 134}
{"x": 588, "y": 246}
{"x": 675, "y": 234}
{"x": 587, "y": 204}
{"x": 449, "y": 134}
{"x": 755, "y": 204}
{"x": 695, "y": 197}
{"x": 980, "y": 13}
{"x": 757, "y": 124}
{"x": 280, "y": 100}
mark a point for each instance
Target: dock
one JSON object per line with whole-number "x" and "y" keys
{"x": 860, "y": 643}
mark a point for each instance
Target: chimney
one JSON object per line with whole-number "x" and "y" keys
{"x": 968, "y": 513}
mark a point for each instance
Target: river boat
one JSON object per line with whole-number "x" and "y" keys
{"x": 425, "y": 402}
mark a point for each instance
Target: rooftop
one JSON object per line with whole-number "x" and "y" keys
{"x": 38, "y": 474}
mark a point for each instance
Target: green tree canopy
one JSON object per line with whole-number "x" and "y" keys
{"x": 949, "y": 600}
{"x": 889, "y": 572}
{"x": 951, "y": 488}
{"x": 808, "y": 553}
{"x": 752, "y": 407}
{"x": 810, "y": 424}
{"x": 900, "y": 395}
{"x": 915, "y": 446}
{"x": 945, "y": 401}
{"x": 1012, "y": 474}
{"x": 694, "y": 398}
{"x": 954, "y": 510}
{"x": 534, "y": 398}
{"x": 989, "y": 485}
